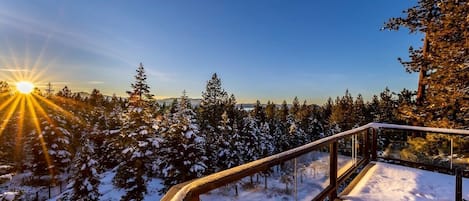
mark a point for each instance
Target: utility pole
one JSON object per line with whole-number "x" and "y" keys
{"x": 49, "y": 89}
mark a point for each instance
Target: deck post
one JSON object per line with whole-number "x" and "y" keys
{"x": 374, "y": 145}
{"x": 366, "y": 151}
{"x": 458, "y": 184}
{"x": 333, "y": 170}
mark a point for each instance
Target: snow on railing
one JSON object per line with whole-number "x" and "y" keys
{"x": 419, "y": 128}
{"x": 191, "y": 190}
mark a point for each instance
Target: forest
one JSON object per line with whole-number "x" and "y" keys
{"x": 86, "y": 135}
{"x": 71, "y": 137}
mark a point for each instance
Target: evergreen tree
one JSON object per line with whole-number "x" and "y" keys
{"x": 182, "y": 149}
{"x": 139, "y": 140}
{"x": 270, "y": 111}
{"x": 249, "y": 144}
{"x": 295, "y": 108}
{"x": 96, "y": 98}
{"x": 228, "y": 144}
{"x": 387, "y": 106}
{"x": 442, "y": 61}
{"x": 140, "y": 88}
{"x": 359, "y": 111}
{"x": 211, "y": 107}
{"x": 86, "y": 179}
{"x": 283, "y": 112}
{"x": 65, "y": 92}
{"x": 212, "y": 125}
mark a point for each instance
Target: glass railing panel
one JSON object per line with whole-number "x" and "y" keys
{"x": 430, "y": 149}
{"x": 350, "y": 151}
{"x": 301, "y": 178}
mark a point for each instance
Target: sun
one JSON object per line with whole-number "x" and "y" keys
{"x": 24, "y": 87}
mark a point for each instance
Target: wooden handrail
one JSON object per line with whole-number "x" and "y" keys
{"x": 192, "y": 190}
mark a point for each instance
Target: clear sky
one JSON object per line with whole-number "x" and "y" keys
{"x": 261, "y": 49}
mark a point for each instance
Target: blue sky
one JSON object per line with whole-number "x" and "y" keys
{"x": 261, "y": 49}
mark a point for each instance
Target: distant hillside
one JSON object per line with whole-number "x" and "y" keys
{"x": 168, "y": 101}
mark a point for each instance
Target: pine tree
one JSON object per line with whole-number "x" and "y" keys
{"x": 359, "y": 110}
{"x": 249, "y": 144}
{"x": 138, "y": 140}
{"x": 226, "y": 152}
{"x": 211, "y": 108}
{"x": 65, "y": 92}
{"x": 51, "y": 148}
{"x": 182, "y": 149}
{"x": 342, "y": 113}
{"x": 295, "y": 108}
{"x": 140, "y": 88}
{"x": 212, "y": 124}
{"x": 387, "y": 106}
{"x": 442, "y": 61}
{"x": 85, "y": 179}
{"x": 270, "y": 111}
{"x": 96, "y": 98}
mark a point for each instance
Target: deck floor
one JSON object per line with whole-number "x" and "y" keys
{"x": 393, "y": 182}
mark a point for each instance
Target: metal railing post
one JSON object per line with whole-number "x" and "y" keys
{"x": 374, "y": 145}
{"x": 458, "y": 184}
{"x": 333, "y": 170}
{"x": 366, "y": 150}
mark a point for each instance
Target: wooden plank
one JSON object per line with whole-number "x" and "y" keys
{"x": 355, "y": 181}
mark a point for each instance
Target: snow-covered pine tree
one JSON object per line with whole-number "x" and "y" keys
{"x": 295, "y": 135}
{"x": 51, "y": 148}
{"x": 228, "y": 143}
{"x": 373, "y": 111}
{"x": 111, "y": 145}
{"x": 182, "y": 150}
{"x": 210, "y": 117}
{"x": 388, "y": 107}
{"x": 249, "y": 144}
{"x": 266, "y": 141}
{"x": 85, "y": 177}
{"x": 139, "y": 140}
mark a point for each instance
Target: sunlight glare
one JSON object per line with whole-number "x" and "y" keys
{"x": 24, "y": 87}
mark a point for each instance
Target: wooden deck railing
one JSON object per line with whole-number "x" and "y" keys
{"x": 368, "y": 147}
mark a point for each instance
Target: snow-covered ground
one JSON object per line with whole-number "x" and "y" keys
{"x": 110, "y": 193}
{"x": 15, "y": 188}
{"x": 393, "y": 182}
{"x": 313, "y": 177}
{"x": 382, "y": 182}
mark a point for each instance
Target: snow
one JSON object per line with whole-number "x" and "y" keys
{"x": 393, "y": 182}
{"x": 313, "y": 177}
{"x": 417, "y": 128}
{"x": 9, "y": 196}
{"x": 7, "y": 176}
{"x": 111, "y": 193}
{"x": 5, "y": 167}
